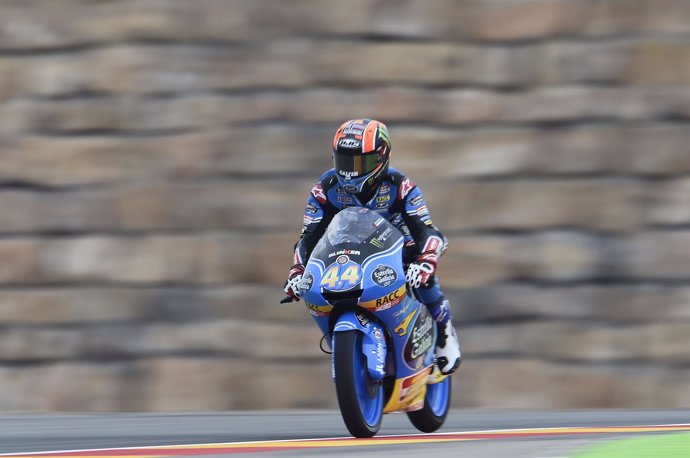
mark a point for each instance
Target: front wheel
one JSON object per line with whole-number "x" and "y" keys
{"x": 436, "y": 405}
{"x": 360, "y": 398}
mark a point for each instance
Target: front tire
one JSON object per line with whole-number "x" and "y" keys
{"x": 360, "y": 398}
{"x": 436, "y": 405}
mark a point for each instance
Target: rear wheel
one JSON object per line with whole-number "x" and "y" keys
{"x": 360, "y": 398}
{"x": 436, "y": 405}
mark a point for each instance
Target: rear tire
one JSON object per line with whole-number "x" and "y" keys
{"x": 360, "y": 398}
{"x": 436, "y": 406}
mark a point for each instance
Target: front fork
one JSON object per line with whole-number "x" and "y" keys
{"x": 373, "y": 341}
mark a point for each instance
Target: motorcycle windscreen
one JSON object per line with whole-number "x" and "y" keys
{"x": 356, "y": 225}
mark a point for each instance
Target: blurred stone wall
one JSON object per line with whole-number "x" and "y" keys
{"x": 155, "y": 156}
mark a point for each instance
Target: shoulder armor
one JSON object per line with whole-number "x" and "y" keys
{"x": 404, "y": 184}
{"x": 395, "y": 177}
{"x": 320, "y": 191}
{"x": 329, "y": 181}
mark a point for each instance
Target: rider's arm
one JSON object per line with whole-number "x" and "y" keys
{"x": 411, "y": 205}
{"x": 318, "y": 213}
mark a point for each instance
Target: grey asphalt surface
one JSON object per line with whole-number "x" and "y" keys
{"x": 33, "y": 432}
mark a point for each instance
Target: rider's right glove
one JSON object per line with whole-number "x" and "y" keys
{"x": 294, "y": 279}
{"x": 420, "y": 272}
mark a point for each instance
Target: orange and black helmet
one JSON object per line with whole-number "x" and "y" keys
{"x": 361, "y": 154}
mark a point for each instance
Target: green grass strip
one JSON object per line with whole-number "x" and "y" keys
{"x": 662, "y": 445}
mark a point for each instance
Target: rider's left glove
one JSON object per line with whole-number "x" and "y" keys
{"x": 294, "y": 279}
{"x": 421, "y": 271}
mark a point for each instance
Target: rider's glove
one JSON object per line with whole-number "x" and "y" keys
{"x": 420, "y": 272}
{"x": 294, "y": 279}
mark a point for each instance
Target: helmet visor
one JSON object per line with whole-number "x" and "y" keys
{"x": 355, "y": 166}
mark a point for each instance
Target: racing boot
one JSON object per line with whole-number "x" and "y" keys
{"x": 448, "y": 355}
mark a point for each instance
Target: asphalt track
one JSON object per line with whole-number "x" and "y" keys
{"x": 485, "y": 433}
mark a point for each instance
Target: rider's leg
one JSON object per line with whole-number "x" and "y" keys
{"x": 448, "y": 352}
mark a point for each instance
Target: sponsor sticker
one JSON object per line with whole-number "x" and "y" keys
{"x": 339, "y": 252}
{"x": 307, "y": 220}
{"x": 348, "y": 174}
{"x": 420, "y": 211}
{"x": 350, "y": 143}
{"x": 402, "y": 311}
{"x": 343, "y": 325}
{"x": 377, "y": 243}
{"x": 434, "y": 244}
{"x": 384, "y": 275}
{"x": 385, "y": 234}
{"x": 317, "y": 192}
{"x": 387, "y": 301}
{"x": 383, "y": 134}
{"x": 311, "y": 208}
{"x": 319, "y": 310}
{"x": 401, "y": 329}
{"x": 354, "y": 129}
{"x": 306, "y": 283}
{"x": 416, "y": 200}
{"x": 412, "y": 385}
{"x": 405, "y": 187}
{"x": 380, "y": 353}
{"x": 363, "y": 320}
{"x": 420, "y": 341}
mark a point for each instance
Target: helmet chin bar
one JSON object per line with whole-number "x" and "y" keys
{"x": 354, "y": 185}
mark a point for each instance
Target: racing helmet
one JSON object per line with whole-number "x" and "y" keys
{"x": 361, "y": 154}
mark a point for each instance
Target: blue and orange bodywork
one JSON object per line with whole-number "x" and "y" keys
{"x": 361, "y": 285}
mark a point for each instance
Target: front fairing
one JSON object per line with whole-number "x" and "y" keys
{"x": 358, "y": 264}
{"x": 355, "y": 278}
{"x": 358, "y": 261}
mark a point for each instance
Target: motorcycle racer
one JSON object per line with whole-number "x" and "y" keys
{"x": 362, "y": 176}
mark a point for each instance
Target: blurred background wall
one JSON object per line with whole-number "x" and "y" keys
{"x": 155, "y": 157}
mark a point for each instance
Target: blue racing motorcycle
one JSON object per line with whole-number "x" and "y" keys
{"x": 382, "y": 338}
